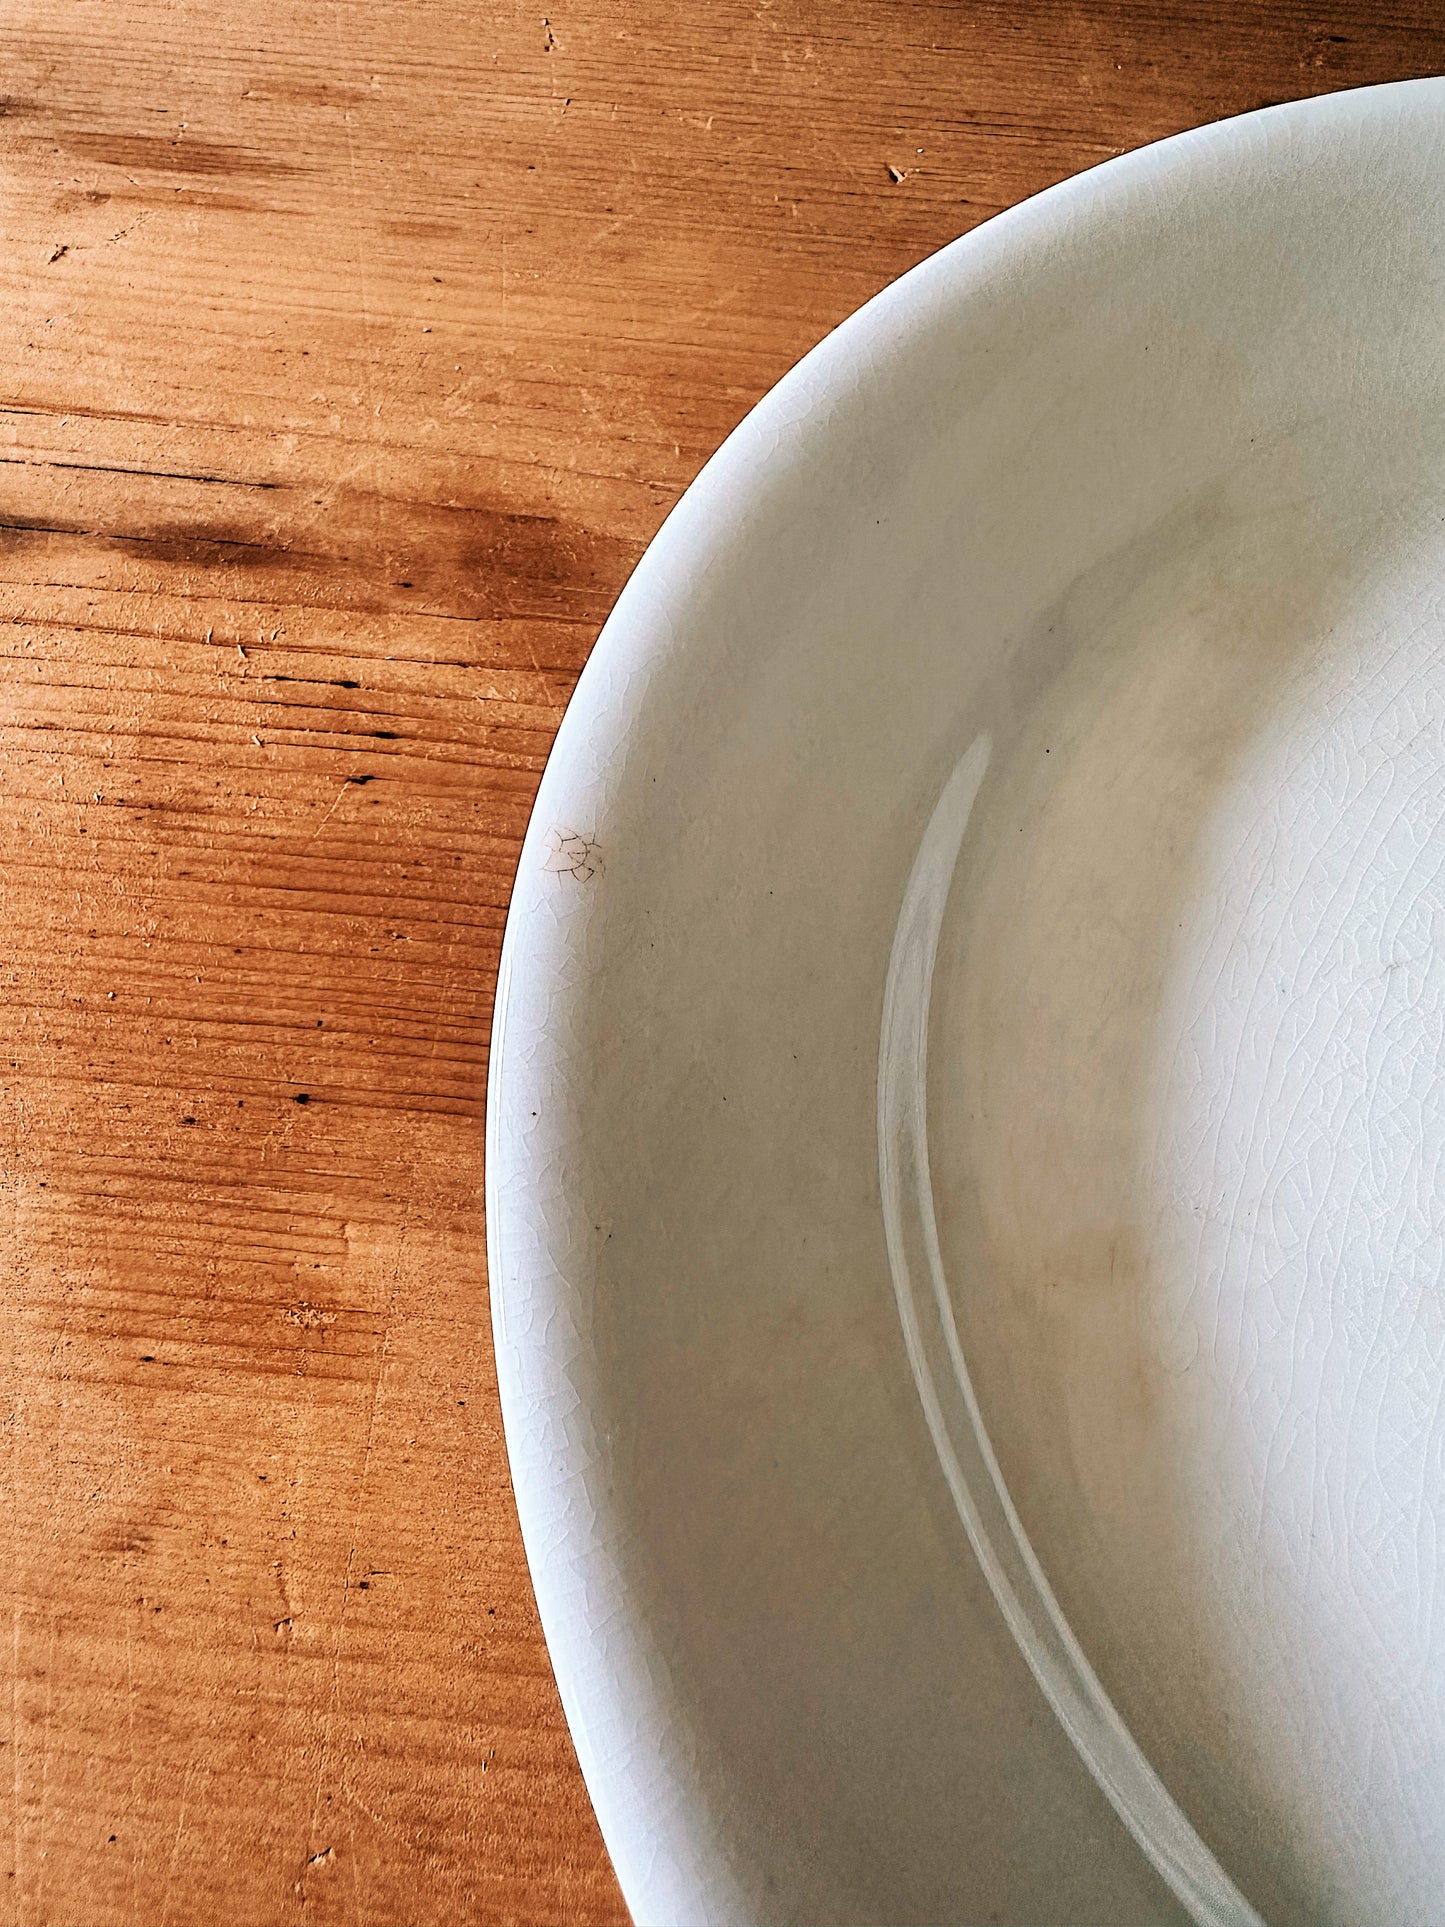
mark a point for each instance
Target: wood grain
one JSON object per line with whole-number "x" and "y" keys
{"x": 350, "y": 355}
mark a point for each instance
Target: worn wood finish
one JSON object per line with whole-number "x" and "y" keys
{"x": 350, "y": 355}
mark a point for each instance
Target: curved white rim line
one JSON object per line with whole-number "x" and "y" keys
{"x": 994, "y": 1529}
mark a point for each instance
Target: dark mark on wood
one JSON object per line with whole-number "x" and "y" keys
{"x": 163, "y": 154}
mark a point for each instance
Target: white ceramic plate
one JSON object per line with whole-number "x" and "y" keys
{"x": 967, "y": 1123}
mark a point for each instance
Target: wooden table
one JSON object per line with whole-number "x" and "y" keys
{"x": 350, "y": 356}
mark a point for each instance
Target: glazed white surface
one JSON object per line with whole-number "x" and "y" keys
{"x": 1141, "y": 481}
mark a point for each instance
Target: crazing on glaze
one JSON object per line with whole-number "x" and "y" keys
{"x": 940, "y": 1371}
